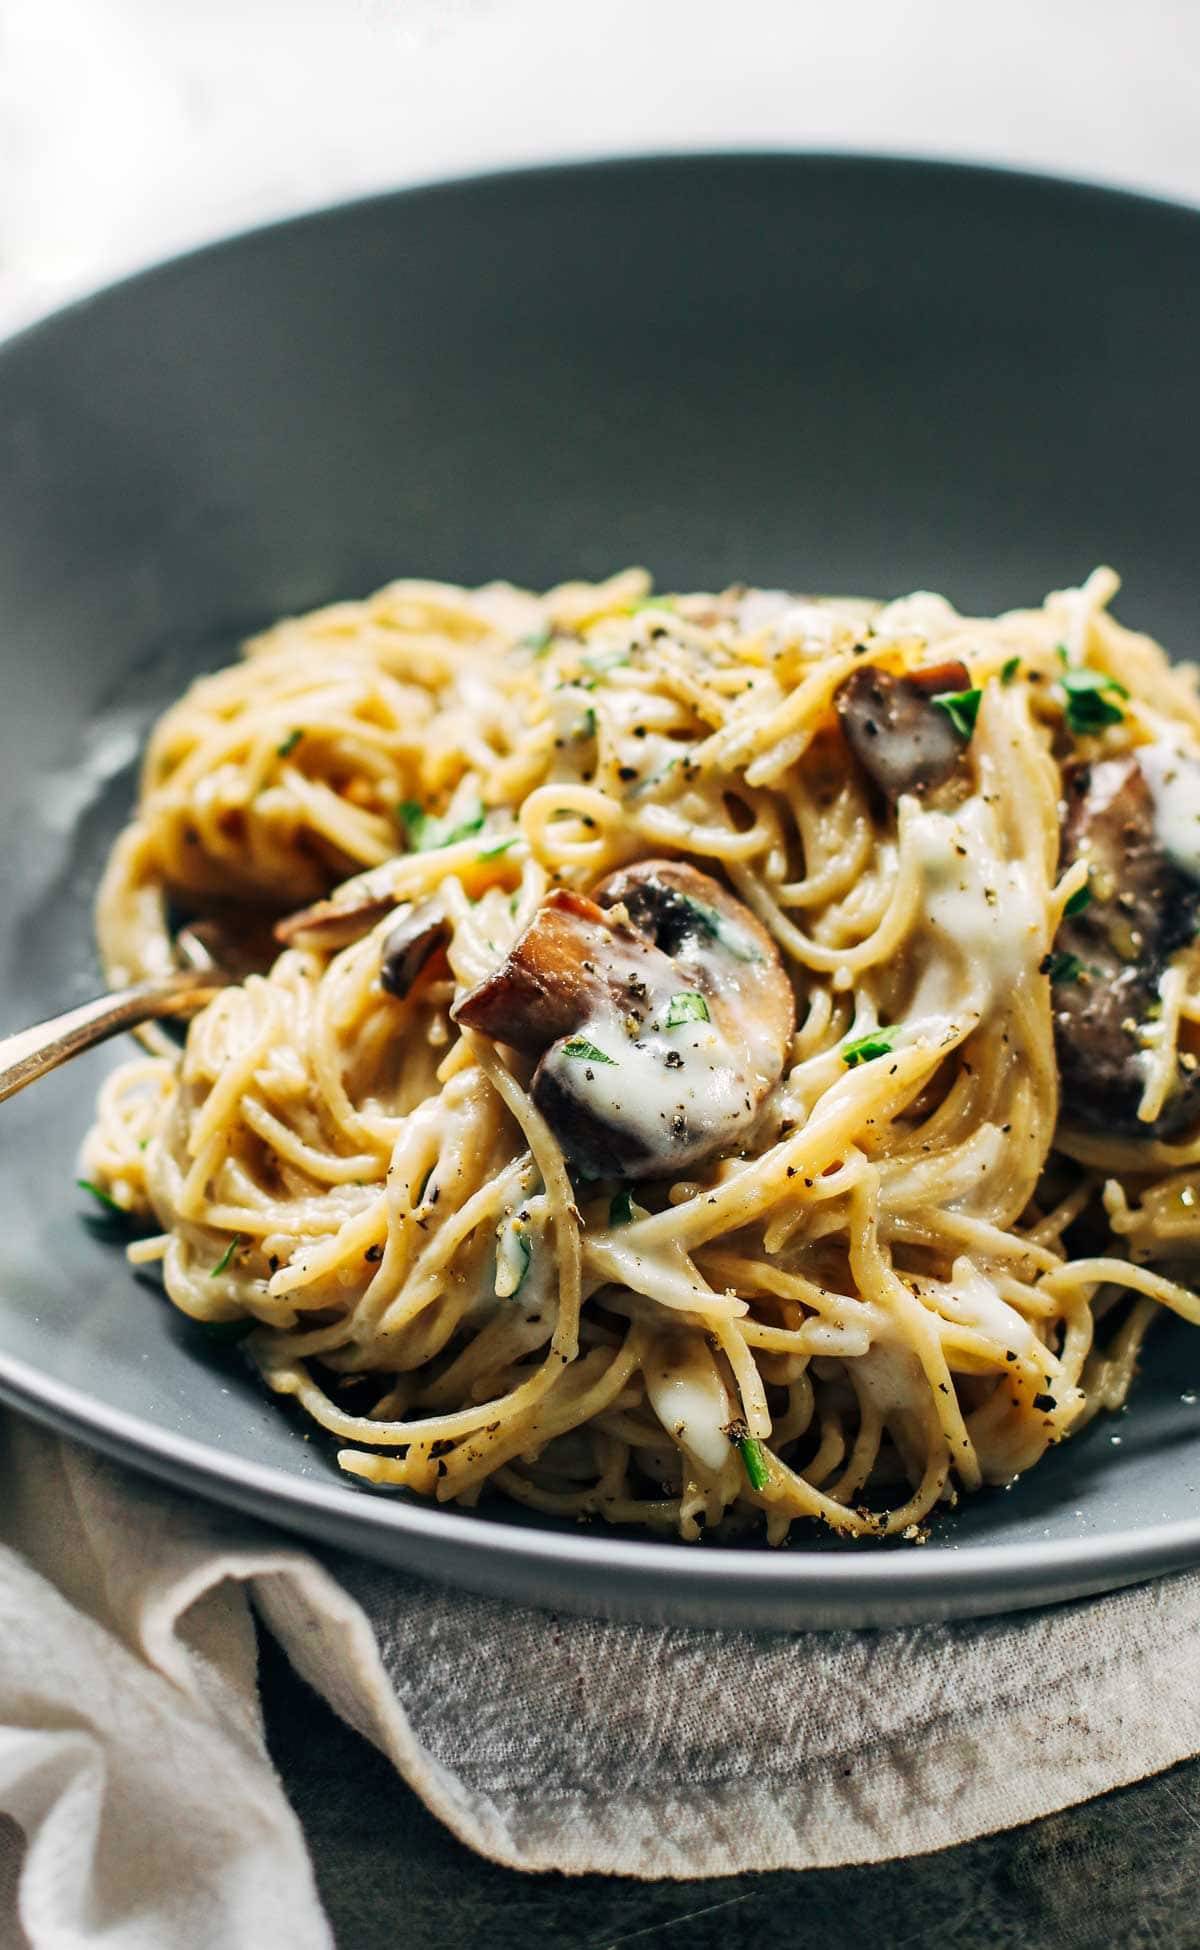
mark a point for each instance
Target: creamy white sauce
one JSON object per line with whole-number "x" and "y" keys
{"x": 980, "y": 910}
{"x": 573, "y": 715}
{"x": 971, "y": 1299}
{"x": 1173, "y": 776}
{"x": 892, "y": 1379}
{"x": 922, "y": 614}
{"x": 668, "y": 1088}
{"x": 689, "y": 1399}
{"x": 653, "y": 754}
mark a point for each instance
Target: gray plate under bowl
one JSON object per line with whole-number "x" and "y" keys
{"x": 826, "y": 373}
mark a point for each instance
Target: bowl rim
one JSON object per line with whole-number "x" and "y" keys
{"x": 962, "y": 1575}
{"x": 504, "y": 175}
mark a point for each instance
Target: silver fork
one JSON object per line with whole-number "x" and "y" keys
{"x": 33, "y": 1053}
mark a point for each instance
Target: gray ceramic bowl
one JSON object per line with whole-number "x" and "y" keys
{"x": 849, "y": 375}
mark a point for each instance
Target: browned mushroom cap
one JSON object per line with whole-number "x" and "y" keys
{"x": 901, "y": 738}
{"x": 1112, "y": 954}
{"x": 559, "y": 970}
{"x": 661, "y": 1014}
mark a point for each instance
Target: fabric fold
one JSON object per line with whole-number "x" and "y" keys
{"x": 132, "y": 1753}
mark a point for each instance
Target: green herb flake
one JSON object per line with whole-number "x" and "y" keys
{"x": 688, "y": 1006}
{"x": 587, "y": 724}
{"x": 414, "y": 820}
{"x": 586, "y": 1052}
{"x": 234, "y": 1245}
{"x": 1081, "y": 898}
{"x": 1090, "y": 697}
{"x": 102, "y": 1197}
{"x": 1062, "y": 967}
{"x": 537, "y": 641}
{"x": 651, "y": 602}
{"x": 501, "y": 846}
{"x": 866, "y": 1049}
{"x": 961, "y": 707}
{"x": 289, "y": 744}
{"x": 1009, "y": 670}
{"x": 754, "y": 1462}
{"x": 620, "y": 1210}
{"x": 426, "y": 835}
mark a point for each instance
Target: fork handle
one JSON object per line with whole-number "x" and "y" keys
{"x": 32, "y": 1053}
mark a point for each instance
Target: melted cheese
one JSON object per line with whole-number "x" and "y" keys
{"x": 1173, "y": 776}
{"x": 972, "y": 1300}
{"x": 689, "y": 1399}
{"x": 982, "y": 913}
{"x": 664, "y": 1084}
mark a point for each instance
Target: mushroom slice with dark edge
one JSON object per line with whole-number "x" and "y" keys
{"x": 660, "y": 1011}
{"x": 1109, "y": 957}
{"x": 349, "y": 913}
{"x": 558, "y": 972}
{"x": 420, "y": 933}
{"x": 901, "y": 738}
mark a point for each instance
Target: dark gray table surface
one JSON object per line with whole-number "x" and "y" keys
{"x": 1120, "y": 1871}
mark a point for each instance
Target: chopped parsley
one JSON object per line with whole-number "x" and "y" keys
{"x": 1009, "y": 670}
{"x": 538, "y": 641}
{"x": 688, "y": 1006}
{"x": 754, "y": 1462}
{"x": 865, "y": 1049}
{"x": 289, "y": 744}
{"x": 1081, "y": 898}
{"x": 102, "y": 1197}
{"x": 651, "y": 602}
{"x": 1062, "y": 967}
{"x": 585, "y": 1051}
{"x": 961, "y": 707}
{"x": 425, "y": 834}
{"x": 501, "y": 846}
{"x": 233, "y": 1246}
{"x": 1090, "y": 697}
{"x": 620, "y": 1210}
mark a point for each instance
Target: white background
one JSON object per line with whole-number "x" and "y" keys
{"x": 131, "y": 128}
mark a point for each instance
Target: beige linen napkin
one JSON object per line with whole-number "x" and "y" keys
{"x": 131, "y": 1751}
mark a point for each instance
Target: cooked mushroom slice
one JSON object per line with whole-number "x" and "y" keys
{"x": 558, "y": 972}
{"x": 420, "y": 933}
{"x": 351, "y": 911}
{"x": 661, "y": 1013}
{"x": 1111, "y": 955}
{"x": 901, "y": 738}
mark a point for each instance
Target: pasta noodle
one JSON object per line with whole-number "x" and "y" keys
{"x": 899, "y": 1270}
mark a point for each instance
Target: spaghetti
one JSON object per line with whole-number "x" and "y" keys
{"x": 432, "y": 1158}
